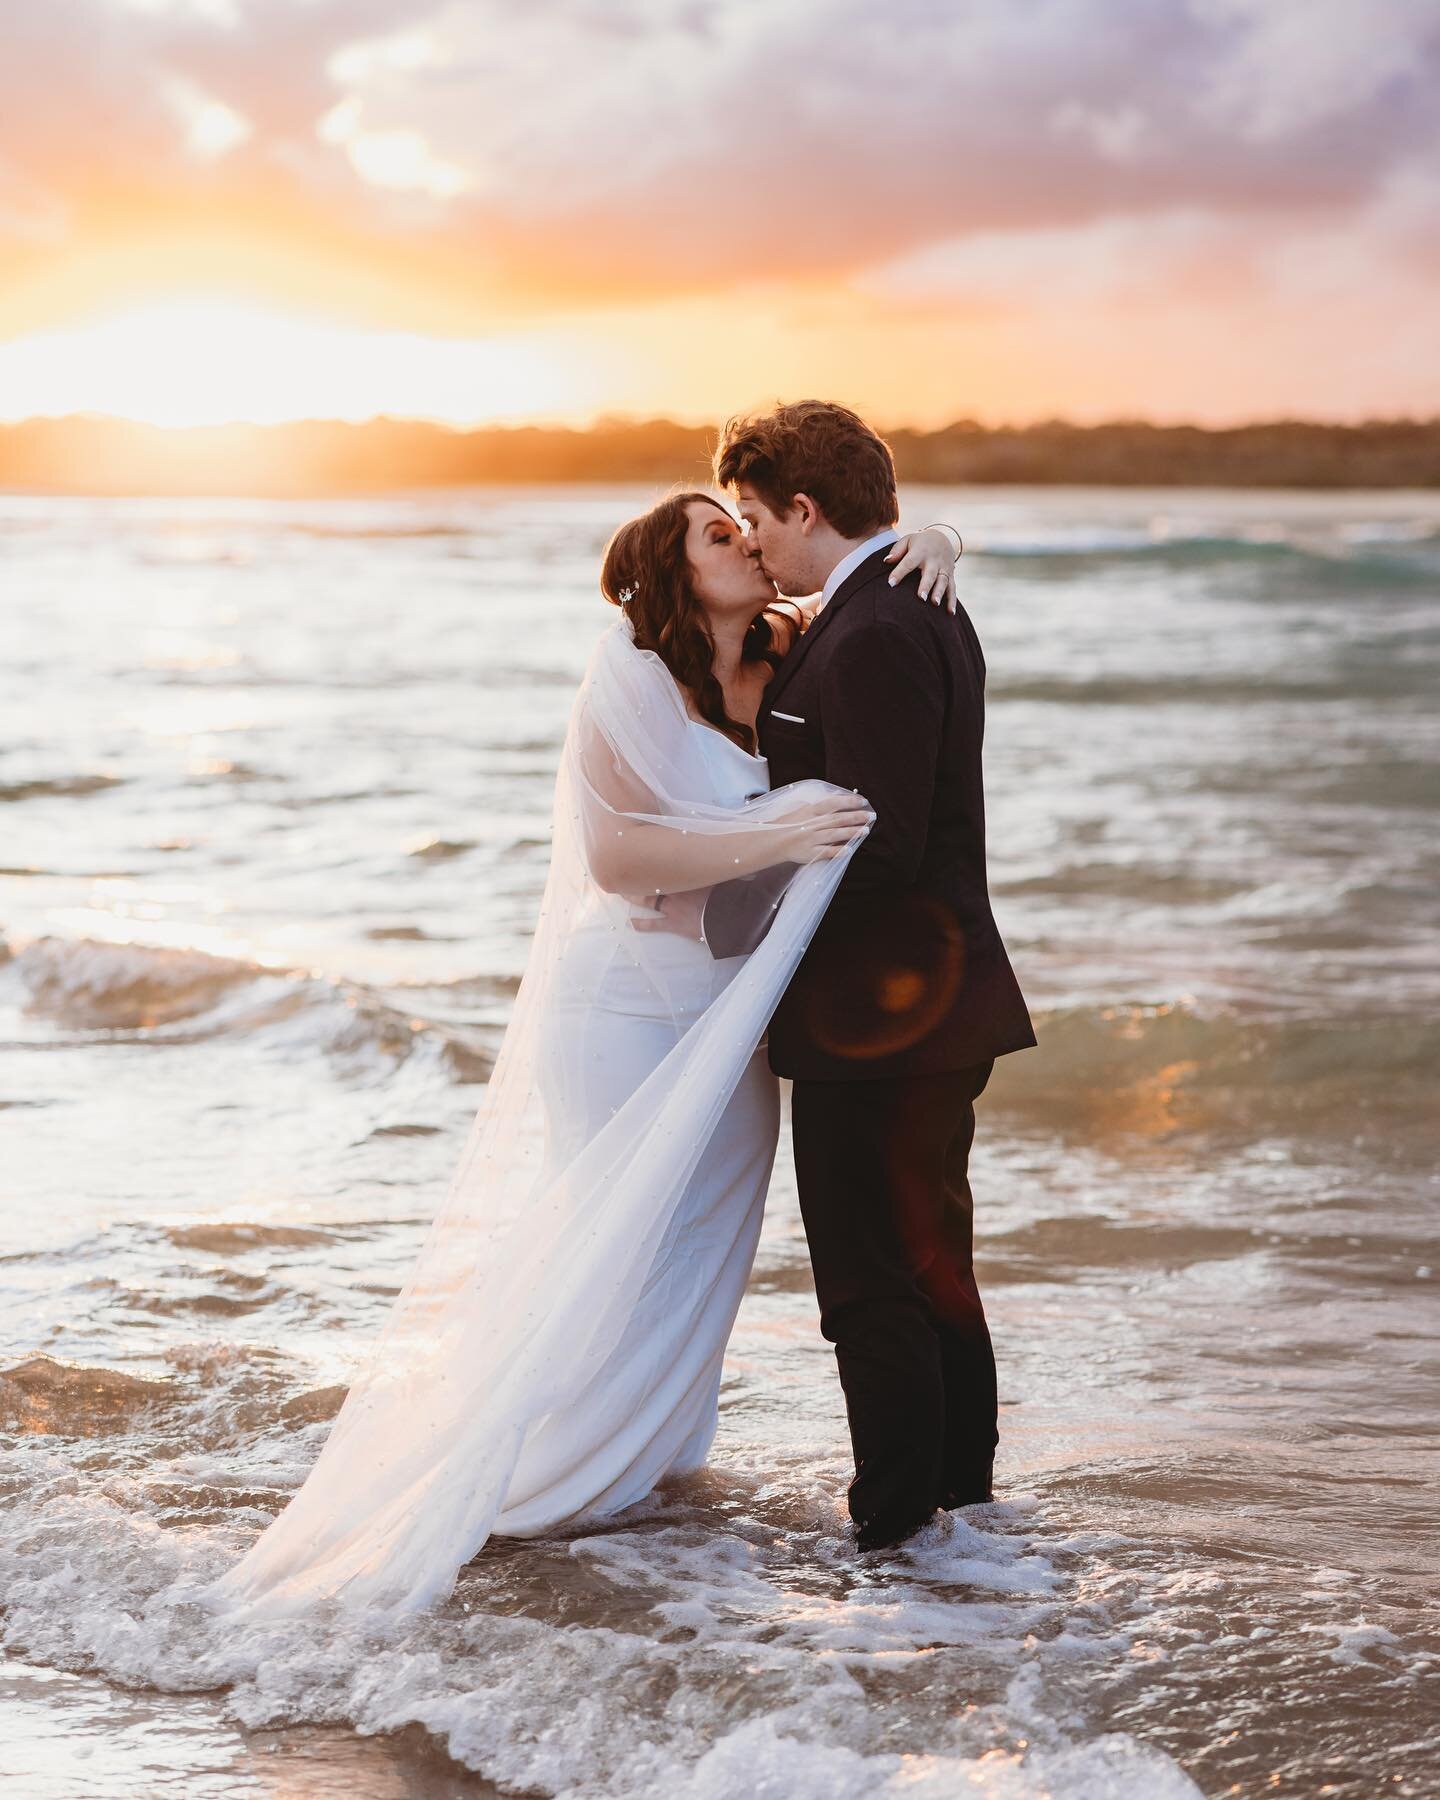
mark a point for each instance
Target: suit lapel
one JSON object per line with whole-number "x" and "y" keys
{"x": 803, "y": 645}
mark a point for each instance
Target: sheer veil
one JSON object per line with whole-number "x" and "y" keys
{"x": 524, "y": 1281}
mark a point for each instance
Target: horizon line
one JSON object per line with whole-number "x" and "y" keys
{"x": 621, "y": 421}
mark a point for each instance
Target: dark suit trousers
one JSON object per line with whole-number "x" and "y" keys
{"x": 885, "y": 1195}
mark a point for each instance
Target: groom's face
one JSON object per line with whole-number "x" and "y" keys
{"x": 783, "y": 546}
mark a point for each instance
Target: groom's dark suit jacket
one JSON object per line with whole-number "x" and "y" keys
{"x": 907, "y": 974}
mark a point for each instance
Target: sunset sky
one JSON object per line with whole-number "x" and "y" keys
{"x": 1001, "y": 209}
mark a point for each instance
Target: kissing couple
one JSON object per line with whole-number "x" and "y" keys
{"x": 768, "y": 861}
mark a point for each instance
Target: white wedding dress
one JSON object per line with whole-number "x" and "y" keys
{"x": 652, "y": 1406}
{"x": 557, "y": 1349}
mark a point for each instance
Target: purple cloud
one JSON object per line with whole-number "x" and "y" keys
{"x": 612, "y": 145}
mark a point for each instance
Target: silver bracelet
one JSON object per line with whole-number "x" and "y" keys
{"x": 939, "y": 525}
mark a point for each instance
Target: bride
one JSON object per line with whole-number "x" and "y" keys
{"x": 557, "y": 1349}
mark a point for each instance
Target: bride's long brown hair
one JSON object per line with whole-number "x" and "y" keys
{"x": 646, "y": 573}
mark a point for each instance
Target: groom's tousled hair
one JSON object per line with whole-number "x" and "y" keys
{"x": 818, "y": 448}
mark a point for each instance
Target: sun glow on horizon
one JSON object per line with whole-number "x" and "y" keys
{"x": 206, "y": 360}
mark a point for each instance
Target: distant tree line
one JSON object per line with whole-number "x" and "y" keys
{"x": 96, "y": 455}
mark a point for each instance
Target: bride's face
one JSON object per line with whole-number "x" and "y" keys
{"x": 724, "y": 565}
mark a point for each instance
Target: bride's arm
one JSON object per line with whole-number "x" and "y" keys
{"x": 640, "y": 856}
{"x": 637, "y": 856}
{"x": 934, "y": 552}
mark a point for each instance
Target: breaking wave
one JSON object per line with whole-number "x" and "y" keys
{"x": 163, "y": 995}
{"x": 716, "y": 1637}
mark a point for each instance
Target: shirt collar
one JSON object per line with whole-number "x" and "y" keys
{"x": 848, "y": 564}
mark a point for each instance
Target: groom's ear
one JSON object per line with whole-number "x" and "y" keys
{"x": 810, "y": 513}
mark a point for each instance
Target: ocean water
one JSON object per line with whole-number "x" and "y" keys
{"x": 274, "y": 783}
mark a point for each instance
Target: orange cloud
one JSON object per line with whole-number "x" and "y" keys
{"x": 1166, "y": 208}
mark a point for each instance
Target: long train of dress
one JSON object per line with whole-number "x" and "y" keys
{"x": 557, "y": 1347}
{"x": 651, "y": 1409}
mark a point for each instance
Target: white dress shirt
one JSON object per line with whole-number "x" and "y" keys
{"x": 847, "y": 564}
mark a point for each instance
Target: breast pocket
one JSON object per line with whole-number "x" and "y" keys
{"x": 793, "y": 743}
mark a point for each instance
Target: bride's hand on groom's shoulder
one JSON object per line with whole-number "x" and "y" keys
{"x": 933, "y": 553}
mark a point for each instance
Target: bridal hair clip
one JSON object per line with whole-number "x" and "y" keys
{"x": 627, "y": 594}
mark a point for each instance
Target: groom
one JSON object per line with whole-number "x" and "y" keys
{"x": 892, "y": 1023}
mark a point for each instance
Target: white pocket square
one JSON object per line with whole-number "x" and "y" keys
{"x": 792, "y": 718}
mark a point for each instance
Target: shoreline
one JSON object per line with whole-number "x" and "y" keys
{"x": 99, "y": 456}
{"x": 579, "y": 486}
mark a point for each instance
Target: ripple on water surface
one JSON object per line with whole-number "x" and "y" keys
{"x": 273, "y": 848}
